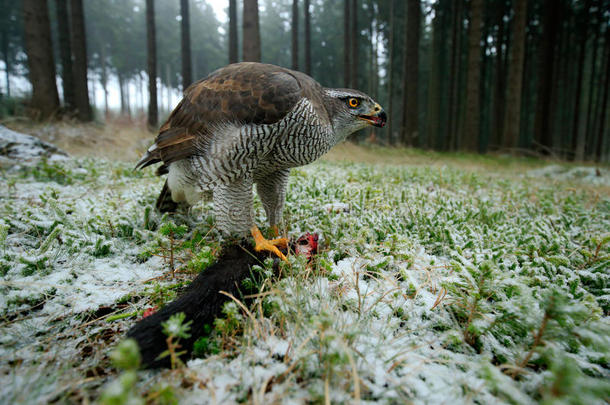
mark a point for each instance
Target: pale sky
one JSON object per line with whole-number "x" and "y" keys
{"x": 220, "y": 7}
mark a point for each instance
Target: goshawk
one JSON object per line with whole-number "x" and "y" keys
{"x": 249, "y": 123}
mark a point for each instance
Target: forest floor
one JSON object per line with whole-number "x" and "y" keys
{"x": 441, "y": 278}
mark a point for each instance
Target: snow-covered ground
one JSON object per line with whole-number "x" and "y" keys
{"x": 434, "y": 285}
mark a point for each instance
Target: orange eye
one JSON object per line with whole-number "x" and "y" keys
{"x": 353, "y": 102}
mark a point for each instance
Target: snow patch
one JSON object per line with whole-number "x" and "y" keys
{"x": 21, "y": 149}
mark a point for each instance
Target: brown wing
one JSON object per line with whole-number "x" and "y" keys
{"x": 242, "y": 93}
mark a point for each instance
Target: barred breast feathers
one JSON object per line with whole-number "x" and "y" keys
{"x": 235, "y": 150}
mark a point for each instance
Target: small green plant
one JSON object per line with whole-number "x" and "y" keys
{"x": 122, "y": 391}
{"x": 175, "y": 329}
{"x": 206, "y": 344}
{"x": 174, "y": 234}
{"x": 201, "y": 260}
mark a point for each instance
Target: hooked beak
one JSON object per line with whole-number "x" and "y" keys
{"x": 377, "y": 118}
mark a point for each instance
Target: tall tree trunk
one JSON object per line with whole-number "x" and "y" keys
{"x": 232, "y": 31}
{"x": 590, "y": 138}
{"x": 391, "y": 73}
{"x": 168, "y": 78}
{"x": 141, "y": 93}
{"x": 79, "y": 48}
{"x": 546, "y": 65}
{"x": 434, "y": 83}
{"x": 512, "y": 117}
{"x": 454, "y": 76}
{"x": 5, "y": 55}
{"x": 122, "y": 93}
{"x": 578, "y": 137}
{"x": 307, "y": 37}
{"x": 65, "y": 52}
{"x": 104, "y": 79}
{"x": 347, "y": 47}
{"x": 187, "y": 77}
{"x": 473, "y": 109}
{"x": 39, "y": 50}
{"x": 487, "y": 84}
{"x": 127, "y": 99}
{"x": 251, "y": 42}
{"x": 410, "y": 118}
{"x": 151, "y": 46}
{"x": 295, "y": 35}
{"x": 499, "y": 81}
{"x": 561, "y": 84}
{"x": 354, "y": 44}
{"x": 599, "y": 145}
{"x": 598, "y": 112}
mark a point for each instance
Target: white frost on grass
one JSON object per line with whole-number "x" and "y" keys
{"x": 423, "y": 258}
{"x": 71, "y": 246}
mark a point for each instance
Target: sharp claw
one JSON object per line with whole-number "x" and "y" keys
{"x": 280, "y": 242}
{"x": 269, "y": 245}
{"x": 270, "y": 248}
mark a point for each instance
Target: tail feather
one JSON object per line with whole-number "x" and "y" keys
{"x": 165, "y": 202}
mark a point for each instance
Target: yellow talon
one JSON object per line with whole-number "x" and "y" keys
{"x": 269, "y": 245}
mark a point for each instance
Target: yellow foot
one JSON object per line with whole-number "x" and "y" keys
{"x": 269, "y": 245}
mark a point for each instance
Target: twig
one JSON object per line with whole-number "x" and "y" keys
{"x": 537, "y": 341}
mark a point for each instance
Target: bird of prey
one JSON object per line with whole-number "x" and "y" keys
{"x": 249, "y": 123}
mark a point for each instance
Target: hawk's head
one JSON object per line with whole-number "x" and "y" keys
{"x": 351, "y": 110}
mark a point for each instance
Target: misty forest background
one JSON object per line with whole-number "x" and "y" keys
{"x": 509, "y": 76}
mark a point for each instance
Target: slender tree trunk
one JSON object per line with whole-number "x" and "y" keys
{"x": 6, "y": 57}
{"x": 499, "y": 82}
{"x": 410, "y": 118}
{"x": 347, "y": 47}
{"x": 487, "y": 84}
{"x": 168, "y": 78}
{"x": 65, "y": 52}
{"x": 434, "y": 83}
{"x": 122, "y": 93}
{"x": 187, "y": 77}
{"x": 37, "y": 30}
{"x": 578, "y": 138}
{"x": 307, "y": 37}
{"x": 232, "y": 31}
{"x": 603, "y": 76}
{"x": 391, "y": 73}
{"x": 151, "y": 46}
{"x": 252, "y": 39}
{"x": 562, "y": 83}
{"x": 473, "y": 110}
{"x": 590, "y": 138}
{"x": 454, "y": 77}
{"x": 542, "y": 126}
{"x": 354, "y": 44}
{"x": 295, "y": 35}
{"x": 104, "y": 79}
{"x": 599, "y": 153}
{"x": 512, "y": 117}
{"x": 91, "y": 87}
{"x": 141, "y": 93}
{"x": 371, "y": 68}
{"x": 127, "y": 99}
{"x": 79, "y": 48}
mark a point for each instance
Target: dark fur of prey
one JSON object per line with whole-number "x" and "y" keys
{"x": 201, "y": 303}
